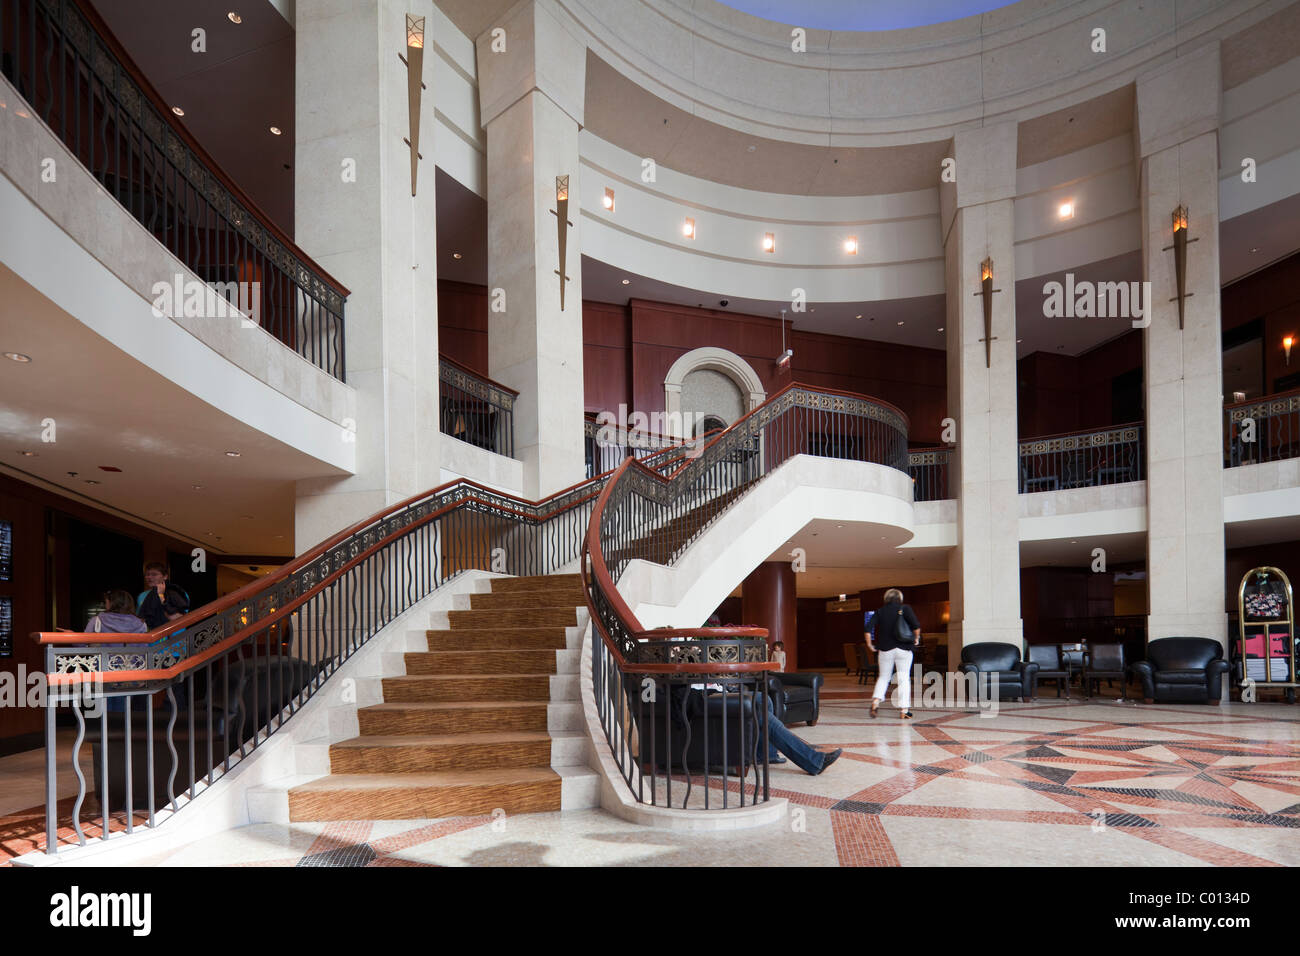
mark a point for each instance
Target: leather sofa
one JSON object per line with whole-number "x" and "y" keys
{"x": 1182, "y": 669}
{"x": 796, "y": 697}
{"x": 1016, "y": 678}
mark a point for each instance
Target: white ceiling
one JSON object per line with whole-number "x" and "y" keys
{"x": 110, "y": 409}
{"x": 850, "y": 556}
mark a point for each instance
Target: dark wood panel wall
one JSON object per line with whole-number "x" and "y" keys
{"x": 1066, "y": 393}
{"x": 1271, "y": 297}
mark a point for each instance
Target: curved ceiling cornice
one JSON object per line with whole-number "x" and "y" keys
{"x": 898, "y": 87}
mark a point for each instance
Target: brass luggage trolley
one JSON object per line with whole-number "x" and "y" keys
{"x": 1265, "y": 650}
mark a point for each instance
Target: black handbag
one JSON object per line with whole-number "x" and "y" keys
{"x": 905, "y": 635}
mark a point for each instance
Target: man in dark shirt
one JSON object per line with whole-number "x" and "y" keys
{"x": 162, "y": 602}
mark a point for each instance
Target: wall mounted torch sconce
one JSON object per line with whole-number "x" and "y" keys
{"x": 1180, "y": 258}
{"x": 987, "y": 290}
{"x": 414, "y": 61}
{"x": 561, "y": 214}
{"x": 1287, "y": 342}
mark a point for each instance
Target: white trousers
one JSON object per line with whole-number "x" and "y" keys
{"x": 901, "y": 660}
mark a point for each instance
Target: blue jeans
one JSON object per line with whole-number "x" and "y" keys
{"x": 782, "y": 740}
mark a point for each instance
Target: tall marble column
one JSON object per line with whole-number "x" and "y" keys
{"x": 355, "y": 215}
{"x": 532, "y": 78}
{"x": 984, "y": 568}
{"x": 767, "y": 599}
{"x": 1177, "y": 142}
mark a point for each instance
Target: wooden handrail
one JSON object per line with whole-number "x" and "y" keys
{"x": 442, "y": 357}
{"x": 165, "y": 113}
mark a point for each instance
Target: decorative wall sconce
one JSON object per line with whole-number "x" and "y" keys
{"x": 851, "y": 245}
{"x": 608, "y": 201}
{"x": 987, "y": 290}
{"x": 414, "y": 61}
{"x": 1287, "y": 342}
{"x": 769, "y": 242}
{"x": 561, "y": 214}
{"x": 1180, "y": 258}
{"x": 688, "y": 228}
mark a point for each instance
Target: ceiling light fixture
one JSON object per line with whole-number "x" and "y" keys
{"x": 688, "y": 228}
{"x": 276, "y": 131}
{"x": 608, "y": 200}
{"x": 627, "y": 281}
{"x": 1066, "y": 210}
{"x": 91, "y": 481}
{"x": 28, "y": 454}
{"x": 178, "y": 111}
{"x": 900, "y": 321}
{"x": 197, "y": 487}
{"x": 18, "y": 357}
{"x": 769, "y": 242}
{"x": 234, "y": 17}
{"x": 232, "y": 454}
{"x": 851, "y": 245}
{"x": 457, "y": 255}
{"x": 941, "y": 328}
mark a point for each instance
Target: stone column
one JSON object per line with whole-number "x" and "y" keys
{"x": 531, "y": 88}
{"x": 767, "y": 599}
{"x": 1177, "y": 143}
{"x": 356, "y": 216}
{"x": 984, "y": 568}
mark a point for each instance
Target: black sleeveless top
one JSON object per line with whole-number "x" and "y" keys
{"x": 884, "y": 626}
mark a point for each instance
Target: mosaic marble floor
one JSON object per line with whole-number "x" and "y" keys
{"x": 1052, "y": 783}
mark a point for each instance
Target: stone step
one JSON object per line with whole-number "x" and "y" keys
{"x": 417, "y": 753}
{"x": 464, "y": 687}
{"x": 423, "y": 796}
{"x": 481, "y": 662}
{"x": 453, "y": 717}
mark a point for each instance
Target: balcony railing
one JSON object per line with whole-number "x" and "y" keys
{"x": 476, "y": 409}
{"x": 79, "y": 81}
{"x": 929, "y": 470}
{"x": 607, "y": 444}
{"x": 1102, "y": 456}
{"x": 1264, "y": 429}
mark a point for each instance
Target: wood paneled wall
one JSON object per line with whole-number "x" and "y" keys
{"x": 1273, "y": 296}
{"x": 1066, "y": 393}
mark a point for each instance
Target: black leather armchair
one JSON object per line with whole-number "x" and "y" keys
{"x": 686, "y": 724}
{"x": 796, "y": 697}
{"x": 1103, "y": 662}
{"x": 1016, "y": 678}
{"x": 1182, "y": 669}
{"x": 1050, "y": 666}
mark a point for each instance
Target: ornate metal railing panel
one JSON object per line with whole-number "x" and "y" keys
{"x": 476, "y": 409}
{"x": 1267, "y": 429}
{"x": 230, "y": 674}
{"x": 607, "y": 444}
{"x": 79, "y": 82}
{"x": 928, "y": 468}
{"x": 1101, "y": 456}
{"x": 680, "y": 703}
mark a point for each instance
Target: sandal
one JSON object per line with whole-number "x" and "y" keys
{"x": 906, "y": 715}
{"x": 875, "y": 706}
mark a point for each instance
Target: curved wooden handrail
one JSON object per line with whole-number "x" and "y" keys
{"x": 442, "y": 357}
{"x": 115, "y": 47}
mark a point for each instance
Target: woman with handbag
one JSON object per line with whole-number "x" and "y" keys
{"x": 895, "y": 633}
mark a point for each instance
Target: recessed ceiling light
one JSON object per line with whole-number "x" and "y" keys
{"x": 178, "y": 111}
{"x": 858, "y": 316}
{"x": 234, "y": 17}
{"x": 900, "y": 321}
{"x": 28, "y": 454}
{"x": 276, "y": 131}
{"x": 457, "y": 255}
{"x": 750, "y": 148}
{"x": 247, "y": 517}
{"x": 627, "y": 281}
{"x": 18, "y": 357}
{"x": 163, "y": 514}
{"x": 91, "y": 481}
{"x": 1254, "y": 248}
{"x": 232, "y": 454}
{"x": 1018, "y": 341}
{"x": 277, "y": 536}
{"x": 941, "y": 328}
{"x": 197, "y": 487}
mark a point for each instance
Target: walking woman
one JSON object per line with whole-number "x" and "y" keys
{"x": 895, "y": 633}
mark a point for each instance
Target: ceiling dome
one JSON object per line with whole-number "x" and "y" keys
{"x": 863, "y": 14}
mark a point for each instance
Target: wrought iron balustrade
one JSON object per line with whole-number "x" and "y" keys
{"x": 692, "y": 704}
{"x": 1263, "y": 429}
{"x": 607, "y": 444}
{"x": 79, "y": 81}
{"x": 929, "y": 470}
{"x": 475, "y": 409}
{"x": 1100, "y": 456}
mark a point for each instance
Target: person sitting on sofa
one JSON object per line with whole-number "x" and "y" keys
{"x": 782, "y": 740}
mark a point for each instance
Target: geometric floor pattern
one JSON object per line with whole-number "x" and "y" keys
{"x": 1052, "y": 783}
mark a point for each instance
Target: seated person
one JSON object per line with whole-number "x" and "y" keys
{"x": 118, "y": 616}
{"x": 782, "y": 740}
{"x": 163, "y": 602}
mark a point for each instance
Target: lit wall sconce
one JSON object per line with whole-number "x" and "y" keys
{"x": 851, "y": 245}
{"x": 769, "y": 242}
{"x": 561, "y": 214}
{"x": 688, "y": 228}
{"x": 1066, "y": 210}
{"x": 1180, "y": 258}
{"x": 987, "y": 290}
{"x": 414, "y": 61}
{"x": 1287, "y": 342}
{"x": 608, "y": 201}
